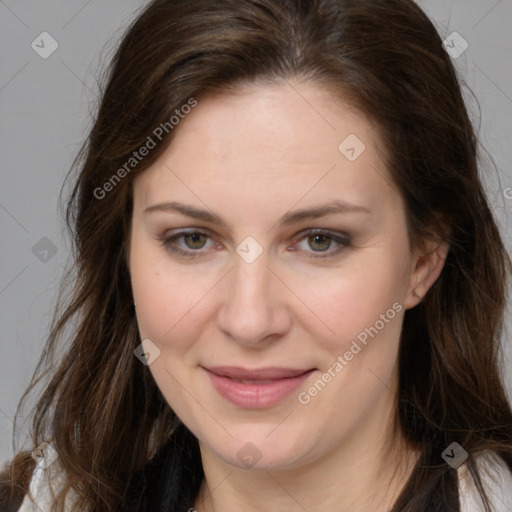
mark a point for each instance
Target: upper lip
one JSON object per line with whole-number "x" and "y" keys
{"x": 270, "y": 373}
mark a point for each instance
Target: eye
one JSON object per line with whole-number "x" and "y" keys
{"x": 321, "y": 241}
{"x": 194, "y": 241}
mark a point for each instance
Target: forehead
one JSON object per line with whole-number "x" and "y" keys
{"x": 276, "y": 142}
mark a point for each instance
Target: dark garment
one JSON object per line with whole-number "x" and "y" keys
{"x": 171, "y": 479}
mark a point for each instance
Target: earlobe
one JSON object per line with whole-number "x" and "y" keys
{"x": 427, "y": 268}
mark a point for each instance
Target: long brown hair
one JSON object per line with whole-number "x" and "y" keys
{"x": 102, "y": 410}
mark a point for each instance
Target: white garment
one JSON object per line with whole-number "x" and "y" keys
{"x": 496, "y": 478}
{"x": 39, "y": 489}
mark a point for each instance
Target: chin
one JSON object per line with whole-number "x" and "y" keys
{"x": 253, "y": 448}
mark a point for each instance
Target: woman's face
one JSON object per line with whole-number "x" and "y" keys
{"x": 253, "y": 290}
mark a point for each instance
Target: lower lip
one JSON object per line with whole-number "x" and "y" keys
{"x": 254, "y": 395}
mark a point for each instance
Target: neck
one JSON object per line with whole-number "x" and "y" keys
{"x": 367, "y": 472}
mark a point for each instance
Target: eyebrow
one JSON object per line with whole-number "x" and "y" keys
{"x": 289, "y": 218}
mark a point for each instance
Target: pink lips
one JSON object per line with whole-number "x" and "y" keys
{"x": 256, "y": 389}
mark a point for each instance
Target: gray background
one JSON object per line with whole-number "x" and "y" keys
{"x": 45, "y": 107}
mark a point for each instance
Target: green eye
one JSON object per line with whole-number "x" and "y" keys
{"x": 322, "y": 242}
{"x": 194, "y": 241}
{"x": 319, "y": 243}
{"x": 197, "y": 240}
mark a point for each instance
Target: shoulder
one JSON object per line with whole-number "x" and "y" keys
{"x": 44, "y": 484}
{"x": 497, "y": 480}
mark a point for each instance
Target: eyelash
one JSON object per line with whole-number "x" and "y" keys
{"x": 166, "y": 242}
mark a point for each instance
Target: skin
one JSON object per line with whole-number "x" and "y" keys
{"x": 250, "y": 158}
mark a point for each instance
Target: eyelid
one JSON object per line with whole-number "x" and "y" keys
{"x": 166, "y": 239}
{"x": 342, "y": 239}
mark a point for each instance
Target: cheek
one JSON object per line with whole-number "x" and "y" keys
{"x": 363, "y": 310}
{"x": 167, "y": 299}
{"x": 165, "y": 315}
{"x": 353, "y": 298}
{"x": 154, "y": 299}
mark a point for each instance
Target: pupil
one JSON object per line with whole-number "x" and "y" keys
{"x": 326, "y": 244}
{"x": 195, "y": 238}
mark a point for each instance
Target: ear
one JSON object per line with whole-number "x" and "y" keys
{"x": 426, "y": 267}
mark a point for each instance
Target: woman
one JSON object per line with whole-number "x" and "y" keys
{"x": 289, "y": 284}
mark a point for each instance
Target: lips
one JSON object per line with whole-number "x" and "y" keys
{"x": 256, "y": 389}
{"x": 261, "y": 374}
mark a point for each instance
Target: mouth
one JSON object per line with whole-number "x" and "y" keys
{"x": 256, "y": 389}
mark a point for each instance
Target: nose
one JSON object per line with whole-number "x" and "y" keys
{"x": 254, "y": 312}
